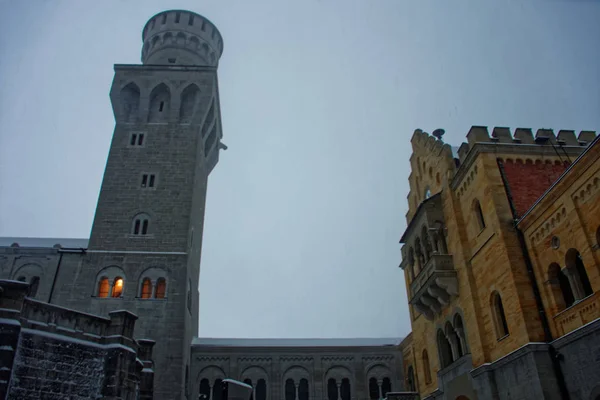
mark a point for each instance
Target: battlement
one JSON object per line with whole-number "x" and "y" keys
{"x": 524, "y": 136}
{"x": 181, "y": 37}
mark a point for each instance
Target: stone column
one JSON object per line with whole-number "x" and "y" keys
{"x": 210, "y": 394}
{"x": 379, "y": 383}
{"x": 575, "y": 282}
{"x": 296, "y": 393}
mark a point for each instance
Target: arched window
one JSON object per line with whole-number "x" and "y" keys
{"x": 159, "y": 103}
{"x": 411, "y": 263}
{"x": 426, "y": 242}
{"x": 146, "y": 289}
{"x": 560, "y": 287}
{"x": 386, "y": 386}
{"x": 345, "y": 389}
{"x": 373, "y": 389}
{"x": 117, "y": 289}
{"x": 130, "y": 102}
{"x": 218, "y": 390}
{"x": 580, "y": 283}
{"x": 303, "y": 393}
{"x": 410, "y": 380}
{"x": 444, "y": 349}
{"x": 290, "y": 389}
{"x": 103, "y": 287}
{"x": 261, "y": 390}
{"x": 33, "y": 286}
{"x": 478, "y": 215}
{"x": 189, "y": 295}
{"x": 426, "y": 367}
{"x": 205, "y": 390}
{"x": 460, "y": 333}
{"x": 332, "y": 389}
{"x": 161, "y": 288}
{"x": 499, "y": 316}
{"x": 140, "y": 224}
{"x": 248, "y": 381}
{"x": 189, "y": 101}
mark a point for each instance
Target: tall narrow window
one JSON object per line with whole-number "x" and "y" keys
{"x": 261, "y": 390}
{"x": 410, "y": 380}
{"x": 386, "y": 387}
{"x": 161, "y": 288}
{"x": 478, "y": 215}
{"x": 205, "y": 390}
{"x": 560, "y": 287}
{"x": 218, "y": 390}
{"x": 151, "y": 181}
{"x": 583, "y": 276}
{"x": 373, "y": 389}
{"x": 303, "y": 393}
{"x": 177, "y": 17}
{"x": 144, "y": 180}
{"x": 161, "y": 106}
{"x": 145, "y": 227}
{"x": 247, "y": 381}
{"x": 426, "y": 368}
{"x": 136, "y": 228}
{"x": 133, "y": 139}
{"x": 140, "y": 139}
{"x": 191, "y": 20}
{"x": 140, "y": 224}
{"x": 33, "y": 286}
{"x": 146, "y": 289}
{"x": 164, "y": 19}
{"x": 117, "y": 290}
{"x": 290, "y": 390}
{"x": 332, "y": 389}
{"x": 103, "y": 287}
{"x": 345, "y": 390}
{"x": 499, "y": 316}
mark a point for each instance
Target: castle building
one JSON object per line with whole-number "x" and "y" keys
{"x": 501, "y": 264}
{"x": 143, "y": 256}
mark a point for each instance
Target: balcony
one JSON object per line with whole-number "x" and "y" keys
{"x": 579, "y": 314}
{"x": 434, "y": 286}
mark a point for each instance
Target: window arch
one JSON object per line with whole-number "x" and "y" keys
{"x": 498, "y": 315}
{"x": 261, "y": 390}
{"x": 560, "y": 287}
{"x": 130, "y": 102}
{"x": 386, "y": 386}
{"x": 373, "y": 389}
{"x": 410, "y": 380}
{"x": 444, "y": 349}
{"x": 161, "y": 288}
{"x": 110, "y": 282}
{"x": 146, "y": 289}
{"x": 580, "y": 283}
{"x": 478, "y": 214}
{"x": 426, "y": 367}
{"x": 33, "y": 286}
{"x": 103, "y": 287}
{"x": 140, "y": 225}
{"x": 290, "y": 389}
{"x": 189, "y": 103}
{"x": 303, "y": 393}
{"x": 117, "y": 287}
{"x": 160, "y": 98}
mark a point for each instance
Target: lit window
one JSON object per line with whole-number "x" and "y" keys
{"x": 161, "y": 288}
{"x": 117, "y": 288}
{"x": 146, "y": 289}
{"x": 103, "y": 287}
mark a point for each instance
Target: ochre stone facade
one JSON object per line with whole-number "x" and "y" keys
{"x": 471, "y": 288}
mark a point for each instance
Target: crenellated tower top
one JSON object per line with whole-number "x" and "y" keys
{"x": 181, "y": 37}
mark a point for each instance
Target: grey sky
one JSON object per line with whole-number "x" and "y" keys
{"x": 319, "y": 100}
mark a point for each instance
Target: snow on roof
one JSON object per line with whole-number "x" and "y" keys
{"x": 44, "y": 242}
{"x": 288, "y": 342}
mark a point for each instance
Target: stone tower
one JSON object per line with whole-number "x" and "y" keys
{"x": 149, "y": 220}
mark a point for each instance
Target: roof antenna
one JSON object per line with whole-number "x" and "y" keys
{"x": 438, "y": 133}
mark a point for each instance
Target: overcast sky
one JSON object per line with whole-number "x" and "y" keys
{"x": 319, "y": 100}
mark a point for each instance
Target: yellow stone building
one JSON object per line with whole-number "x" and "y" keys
{"x": 502, "y": 267}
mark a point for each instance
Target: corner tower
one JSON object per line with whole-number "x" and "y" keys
{"x": 147, "y": 230}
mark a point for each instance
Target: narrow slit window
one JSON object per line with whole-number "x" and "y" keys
{"x": 191, "y": 21}
{"x": 151, "y": 182}
{"x": 136, "y": 229}
{"x": 164, "y": 19}
{"x": 144, "y": 180}
{"x": 145, "y": 227}
{"x": 133, "y": 139}
{"x": 140, "y": 139}
{"x": 162, "y": 105}
{"x": 177, "y": 17}
{"x": 203, "y": 26}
